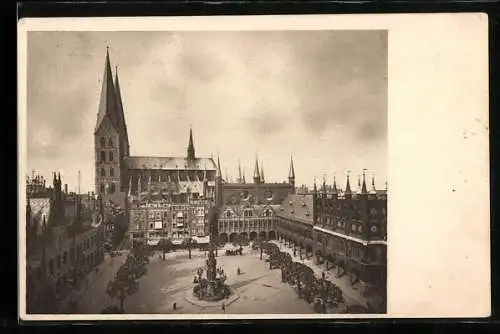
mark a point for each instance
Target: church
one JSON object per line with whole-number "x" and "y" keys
{"x": 170, "y": 179}
{"x": 116, "y": 171}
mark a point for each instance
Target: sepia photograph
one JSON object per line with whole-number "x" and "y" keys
{"x": 199, "y": 173}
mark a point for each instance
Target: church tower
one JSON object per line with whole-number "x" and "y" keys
{"x": 111, "y": 144}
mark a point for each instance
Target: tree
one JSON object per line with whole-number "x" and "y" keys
{"x": 125, "y": 282}
{"x": 165, "y": 245}
{"x": 189, "y": 243}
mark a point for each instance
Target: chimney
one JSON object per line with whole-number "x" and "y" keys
{"x": 66, "y": 188}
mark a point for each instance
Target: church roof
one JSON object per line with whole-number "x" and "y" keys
{"x": 297, "y": 207}
{"x": 169, "y": 163}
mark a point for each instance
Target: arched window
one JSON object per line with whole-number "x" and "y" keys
{"x": 110, "y": 156}
{"x": 103, "y": 142}
{"x": 103, "y": 172}
{"x": 112, "y": 188}
{"x": 112, "y": 172}
{"x": 103, "y": 156}
{"x": 103, "y": 188}
{"x": 110, "y": 142}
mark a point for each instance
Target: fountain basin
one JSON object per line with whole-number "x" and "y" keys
{"x": 193, "y": 299}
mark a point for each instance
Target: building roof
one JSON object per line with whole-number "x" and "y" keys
{"x": 298, "y": 207}
{"x": 170, "y": 163}
{"x": 40, "y": 209}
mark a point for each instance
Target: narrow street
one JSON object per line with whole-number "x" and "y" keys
{"x": 94, "y": 294}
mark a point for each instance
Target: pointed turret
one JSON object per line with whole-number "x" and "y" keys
{"x": 244, "y": 178}
{"x": 218, "y": 185}
{"x": 291, "y": 172}
{"x": 363, "y": 187}
{"x": 240, "y": 177}
{"x": 373, "y": 189}
{"x": 315, "y": 189}
{"x": 358, "y": 189}
{"x": 218, "y": 173}
{"x": 121, "y": 114}
{"x": 256, "y": 174}
{"x": 348, "y": 192}
{"x": 334, "y": 188}
{"x": 323, "y": 186}
{"x": 107, "y": 104}
{"x": 262, "y": 179}
{"x": 190, "y": 149}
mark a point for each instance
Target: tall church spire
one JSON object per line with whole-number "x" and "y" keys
{"x": 190, "y": 150}
{"x": 120, "y": 113}
{"x": 107, "y": 103}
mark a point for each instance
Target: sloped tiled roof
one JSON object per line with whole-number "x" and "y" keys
{"x": 297, "y": 207}
{"x": 40, "y": 208}
{"x": 171, "y": 163}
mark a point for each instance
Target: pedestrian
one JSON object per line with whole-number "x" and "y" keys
{"x": 175, "y": 306}
{"x": 224, "y": 307}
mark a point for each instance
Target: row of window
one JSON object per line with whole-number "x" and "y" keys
{"x": 249, "y": 213}
{"x": 257, "y": 225}
{"x": 106, "y": 143}
{"x": 102, "y": 172}
{"x": 63, "y": 260}
{"x": 103, "y": 157}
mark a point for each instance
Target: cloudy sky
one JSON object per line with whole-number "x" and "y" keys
{"x": 319, "y": 95}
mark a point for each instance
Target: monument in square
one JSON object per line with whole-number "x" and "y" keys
{"x": 210, "y": 282}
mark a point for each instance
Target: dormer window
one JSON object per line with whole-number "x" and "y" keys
{"x": 290, "y": 202}
{"x": 293, "y": 211}
{"x": 303, "y": 204}
{"x": 307, "y": 213}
